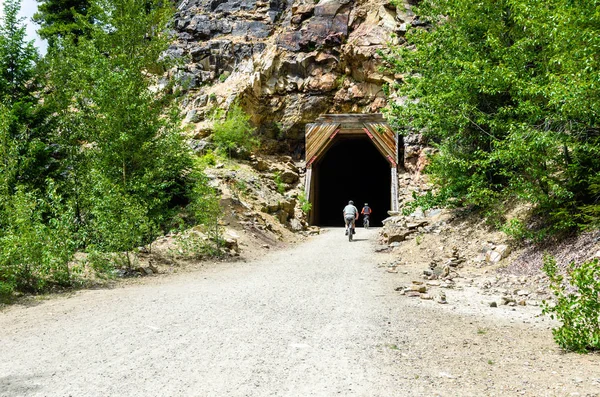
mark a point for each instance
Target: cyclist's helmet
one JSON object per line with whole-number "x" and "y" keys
{"x": 366, "y": 204}
{"x": 351, "y": 202}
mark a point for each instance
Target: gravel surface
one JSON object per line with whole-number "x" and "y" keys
{"x": 317, "y": 319}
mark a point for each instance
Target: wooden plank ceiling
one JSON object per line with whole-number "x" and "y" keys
{"x": 320, "y": 134}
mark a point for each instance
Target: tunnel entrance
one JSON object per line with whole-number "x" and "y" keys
{"x": 351, "y": 169}
{"x": 350, "y": 157}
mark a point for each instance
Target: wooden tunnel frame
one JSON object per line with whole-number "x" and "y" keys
{"x": 320, "y": 136}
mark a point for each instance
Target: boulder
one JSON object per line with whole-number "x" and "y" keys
{"x": 261, "y": 165}
{"x": 288, "y": 206}
{"x": 392, "y": 233}
{"x": 493, "y": 256}
{"x": 418, "y": 288}
{"x": 503, "y": 250}
{"x": 296, "y": 225}
{"x": 270, "y": 208}
{"x": 288, "y": 176}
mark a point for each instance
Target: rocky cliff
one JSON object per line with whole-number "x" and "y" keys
{"x": 284, "y": 61}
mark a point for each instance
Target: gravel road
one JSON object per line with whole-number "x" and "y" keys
{"x": 317, "y": 319}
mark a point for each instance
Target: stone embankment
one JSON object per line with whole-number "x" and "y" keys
{"x": 456, "y": 254}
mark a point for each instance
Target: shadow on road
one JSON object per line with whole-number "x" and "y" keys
{"x": 18, "y": 385}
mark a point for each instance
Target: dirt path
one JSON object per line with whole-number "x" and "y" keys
{"x": 318, "y": 319}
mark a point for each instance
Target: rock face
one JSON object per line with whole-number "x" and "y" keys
{"x": 284, "y": 62}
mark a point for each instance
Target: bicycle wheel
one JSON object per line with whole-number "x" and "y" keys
{"x": 350, "y": 231}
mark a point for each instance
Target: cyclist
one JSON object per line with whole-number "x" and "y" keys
{"x": 366, "y": 212}
{"x": 350, "y": 216}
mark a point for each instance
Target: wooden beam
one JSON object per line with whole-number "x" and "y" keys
{"x": 356, "y": 118}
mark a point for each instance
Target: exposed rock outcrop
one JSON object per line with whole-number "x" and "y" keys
{"x": 285, "y": 62}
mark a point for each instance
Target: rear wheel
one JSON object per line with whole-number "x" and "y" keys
{"x": 350, "y": 231}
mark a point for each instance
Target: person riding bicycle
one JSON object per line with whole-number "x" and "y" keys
{"x": 350, "y": 215}
{"x": 366, "y": 212}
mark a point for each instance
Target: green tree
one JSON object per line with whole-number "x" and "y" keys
{"x": 505, "y": 90}
{"x": 123, "y": 155}
{"x": 17, "y": 56}
{"x": 19, "y": 92}
{"x": 59, "y": 18}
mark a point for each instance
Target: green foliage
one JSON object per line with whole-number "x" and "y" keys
{"x": 241, "y": 186}
{"x": 17, "y": 57}
{"x": 112, "y": 147}
{"x": 507, "y": 91}
{"x": 113, "y": 128}
{"x": 22, "y": 112}
{"x": 517, "y": 229}
{"x": 204, "y": 205}
{"x": 280, "y": 186}
{"x": 208, "y": 159}
{"x": 119, "y": 222}
{"x": 59, "y": 18}
{"x": 305, "y": 205}
{"x": 427, "y": 201}
{"x": 577, "y": 305}
{"x": 8, "y": 156}
{"x": 103, "y": 264}
{"x": 235, "y": 133}
{"x": 194, "y": 245}
{"x": 35, "y": 242}
{"x": 419, "y": 239}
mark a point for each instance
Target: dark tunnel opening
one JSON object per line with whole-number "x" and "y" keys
{"x": 351, "y": 169}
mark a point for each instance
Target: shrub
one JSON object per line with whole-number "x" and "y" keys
{"x": 577, "y": 305}
{"x": 280, "y": 186}
{"x": 36, "y": 244}
{"x": 305, "y": 205}
{"x": 119, "y": 221}
{"x": 235, "y": 133}
{"x": 204, "y": 205}
{"x": 209, "y": 159}
{"x": 498, "y": 103}
{"x": 517, "y": 229}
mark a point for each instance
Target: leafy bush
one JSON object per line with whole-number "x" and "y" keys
{"x": 517, "y": 229}
{"x": 577, "y": 305}
{"x": 280, "y": 186}
{"x": 509, "y": 104}
{"x": 425, "y": 201}
{"x": 36, "y": 243}
{"x": 235, "y": 133}
{"x": 305, "y": 205}
{"x": 209, "y": 159}
{"x": 119, "y": 221}
{"x": 204, "y": 205}
{"x": 195, "y": 245}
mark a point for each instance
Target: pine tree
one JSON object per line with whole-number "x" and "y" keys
{"x": 58, "y": 18}
{"x": 18, "y": 87}
{"x": 17, "y": 56}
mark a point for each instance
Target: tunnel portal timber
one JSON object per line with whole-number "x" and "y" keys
{"x": 350, "y": 157}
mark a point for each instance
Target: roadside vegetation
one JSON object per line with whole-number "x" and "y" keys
{"x": 92, "y": 160}
{"x": 507, "y": 93}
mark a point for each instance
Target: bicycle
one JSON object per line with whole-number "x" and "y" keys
{"x": 366, "y": 221}
{"x": 349, "y": 229}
